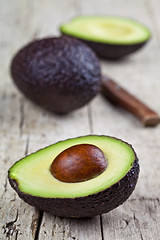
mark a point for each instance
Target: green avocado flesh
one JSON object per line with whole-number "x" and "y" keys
{"x": 33, "y": 176}
{"x": 106, "y": 29}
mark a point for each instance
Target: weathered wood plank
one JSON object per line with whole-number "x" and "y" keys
{"x": 139, "y": 73}
{"x": 71, "y": 229}
{"x": 137, "y": 219}
{"x": 13, "y": 212}
{"x": 34, "y": 128}
{"x": 75, "y": 124}
{"x": 153, "y": 7}
{"x": 16, "y": 112}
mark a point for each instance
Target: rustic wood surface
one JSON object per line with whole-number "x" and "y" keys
{"x": 24, "y": 127}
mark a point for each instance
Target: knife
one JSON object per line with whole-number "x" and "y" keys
{"x": 119, "y": 96}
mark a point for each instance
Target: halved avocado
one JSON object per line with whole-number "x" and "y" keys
{"x": 109, "y": 36}
{"x": 34, "y": 183}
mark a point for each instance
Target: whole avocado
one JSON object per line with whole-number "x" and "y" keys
{"x": 59, "y": 74}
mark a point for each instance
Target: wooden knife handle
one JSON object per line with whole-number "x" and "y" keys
{"x": 119, "y": 96}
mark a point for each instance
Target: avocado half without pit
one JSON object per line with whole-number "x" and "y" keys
{"x": 79, "y": 177}
{"x": 59, "y": 74}
{"x": 110, "y": 37}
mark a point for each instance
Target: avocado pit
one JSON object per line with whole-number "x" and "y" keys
{"x": 79, "y": 163}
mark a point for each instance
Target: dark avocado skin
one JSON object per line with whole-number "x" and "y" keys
{"x": 112, "y": 51}
{"x": 89, "y": 206}
{"x": 59, "y": 74}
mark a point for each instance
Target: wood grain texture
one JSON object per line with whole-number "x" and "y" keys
{"x": 138, "y": 217}
{"x": 24, "y": 127}
{"x": 13, "y": 212}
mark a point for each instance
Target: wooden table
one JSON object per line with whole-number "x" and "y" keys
{"x": 24, "y": 127}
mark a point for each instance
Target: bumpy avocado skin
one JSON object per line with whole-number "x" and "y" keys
{"x": 59, "y": 74}
{"x": 89, "y": 206}
{"x": 113, "y": 51}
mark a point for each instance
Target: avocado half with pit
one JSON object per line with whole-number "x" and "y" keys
{"x": 107, "y": 174}
{"x": 110, "y": 37}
